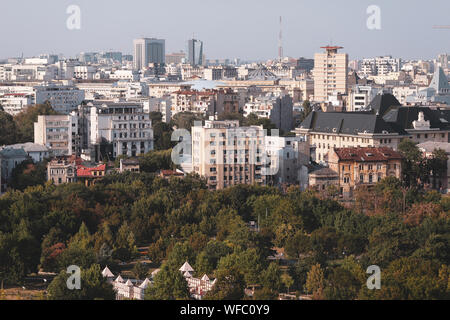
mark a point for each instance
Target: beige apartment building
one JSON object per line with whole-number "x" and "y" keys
{"x": 330, "y": 73}
{"x": 226, "y": 154}
{"x": 59, "y": 133}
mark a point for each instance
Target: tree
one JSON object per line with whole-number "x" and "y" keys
{"x": 140, "y": 271}
{"x": 230, "y": 285}
{"x": 271, "y": 278}
{"x": 169, "y": 284}
{"x": 315, "y": 280}
{"x": 26, "y": 119}
{"x": 297, "y": 245}
{"x": 307, "y": 108}
{"x": 28, "y": 174}
{"x": 93, "y": 286}
{"x": 413, "y": 163}
{"x": 8, "y": 129}
{"x": 287, "y": 281}
{"x": 155, "y": 161}
{"x": 341, "y": 285}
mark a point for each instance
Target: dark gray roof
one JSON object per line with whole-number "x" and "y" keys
{"x": 382, "y": 103}
{"x": 403, "y": 117}
{"x": 347, "y": 123}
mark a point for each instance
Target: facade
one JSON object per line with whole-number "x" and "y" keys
{"x": 360, "y": 97}
{"x": 198, "y": 287}
{"x": 330, "y": 73}
{"x": 62, "y": 170}
{"x": 277, "y": 108}
{"x": 363, "y": 166}
{"x": 15, "y": 103}
{"x": 322, "y": 178}
{"x": 290, "y": 156}
{"x": 148, "y": 50}
{"x": 123, "y": 125}
{"x": 63, "y": 98}
{"x": 380, "y": 66}
{"x": 175, "y": 58}
{"x": 59, "y": 133}
{"x": 208, "y": 102}
{"x": 195, "y": 52}
{"x": 384, "y": 125}
{"x": 226, "y": 154}
{"x": 130, "y": 290}
{"x": 161, "y": 89}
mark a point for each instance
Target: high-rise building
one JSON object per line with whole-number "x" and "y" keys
{"x": 226, "y": 154}
{"x": 148, "y": 50}
{"x": 330, "y": 73}
{"x": 195, "y": 52}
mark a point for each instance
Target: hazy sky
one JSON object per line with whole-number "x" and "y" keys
{"x": 233, "y": 28}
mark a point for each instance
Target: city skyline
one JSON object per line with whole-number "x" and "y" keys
{"x": 252, "y": 34}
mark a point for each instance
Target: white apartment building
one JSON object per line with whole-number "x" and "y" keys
{"x": 226, "y": 154}
{"x": 380, "y": 66}
{"x": 84, "y": 72}
{"x": 289, "y": 156}
{"x": 360, "y": 97}
{"x": 27, "y": 72}
{"x": 124, "y": 125}
{"x": 161, "y": 89}
{"x": 130, "y": 75}
{"x": 58, "y": 133}
{"x": 402, "y": 92}
{"x": 330, "y": 73}
{"x": 277, "y": 108}
{"x": 63, "y": 98}
{"x": 14, "y": 103}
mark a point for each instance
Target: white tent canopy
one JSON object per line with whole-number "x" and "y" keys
{"x": 107, "y": 273}
{"x": 186, "y": 267}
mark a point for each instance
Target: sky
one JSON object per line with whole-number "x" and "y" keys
{"x": 246, "y": 29}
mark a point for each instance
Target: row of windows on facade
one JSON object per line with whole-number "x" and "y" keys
{"x": 238, "y": 161}
{"x": 361, "y": 167}
{"x": 132, "y": 126}
{"x": 132, "y": 135}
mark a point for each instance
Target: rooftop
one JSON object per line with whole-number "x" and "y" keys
{"x": 367, "y": 154}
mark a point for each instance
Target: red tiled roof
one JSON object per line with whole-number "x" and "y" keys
{"x": 83, "y": 171}
{"x": 171, "y": 173}
{"x": 367, "y": 154}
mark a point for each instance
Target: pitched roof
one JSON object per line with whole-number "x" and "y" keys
{"x": 145, "y": 284}
{"x": 439, "y": 81}
{"x": 347, "y": 123}
{"x": 367, "y": 154}
{"x": 205, "y": 278}
{"x": 186, "y": 267}
{"x": 119, "y": 279}
{"x": 382, "y": 102}
{"x": 83, "y": 171}
{"x": 107, "y": 273}
{"x": 405, "y": 116}
{"x": 129, "y": 283}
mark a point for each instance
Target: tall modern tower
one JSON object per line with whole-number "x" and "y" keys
{"x": 280, "y": 41}
{"x": 148, "y": 50}
{"x": 195, "y": 52}
{"x": 330, "y": 73}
